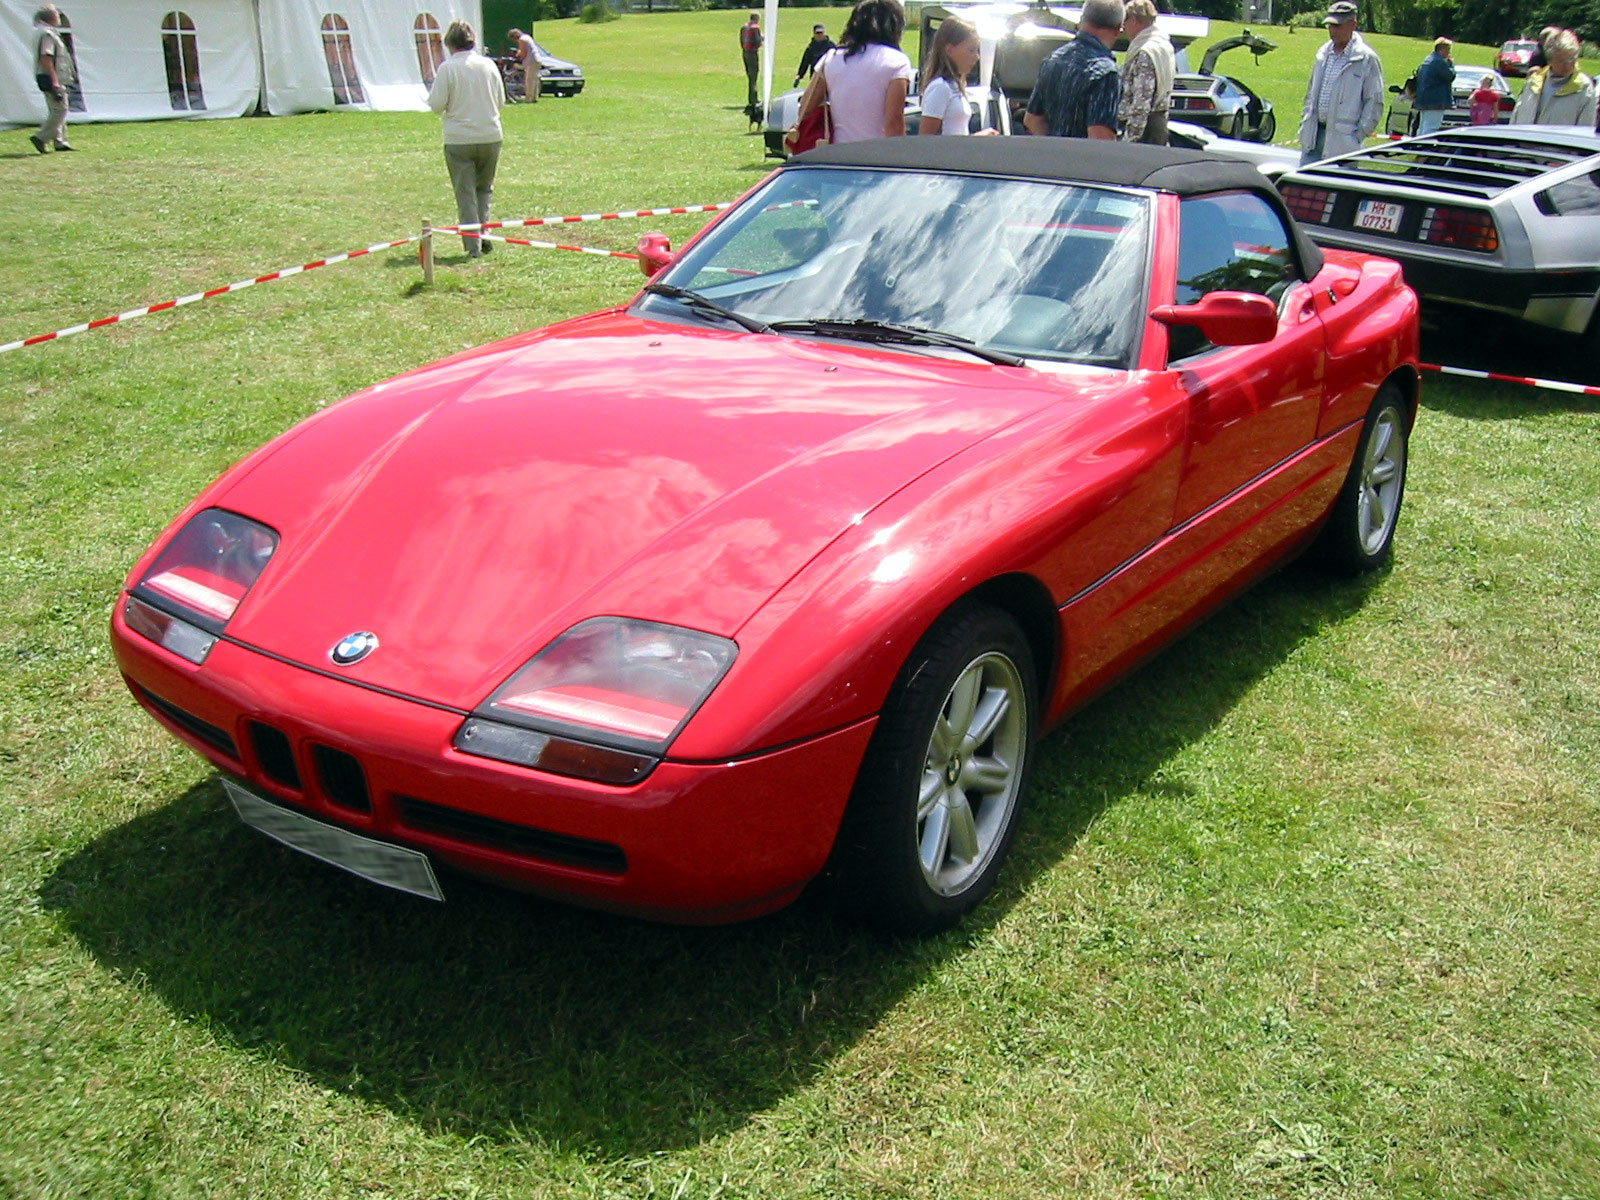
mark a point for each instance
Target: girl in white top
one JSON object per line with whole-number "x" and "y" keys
{"x": 865, "y": 80}
{"x": 944, "y": 77}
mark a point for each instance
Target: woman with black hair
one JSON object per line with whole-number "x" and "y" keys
{"x": 864, "y": 82}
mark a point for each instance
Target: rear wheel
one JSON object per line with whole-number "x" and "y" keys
{"x": 1236, "y": 129}
{"x": 935, "y": 807}
{"x": 1359, "y": 535}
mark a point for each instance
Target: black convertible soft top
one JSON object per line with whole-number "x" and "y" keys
{"x": 1068, "y": 160}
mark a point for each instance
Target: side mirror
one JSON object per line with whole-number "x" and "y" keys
{"x": 654, "y": 251}
{"x": 1225, "y": 318}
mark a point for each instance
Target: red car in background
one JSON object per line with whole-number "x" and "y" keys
{"x": 782, "y": 568}
{"x": 1515, "y": 56}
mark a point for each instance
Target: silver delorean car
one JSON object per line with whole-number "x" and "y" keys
{"x": 1500, "y": 218}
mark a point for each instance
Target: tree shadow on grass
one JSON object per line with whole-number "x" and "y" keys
{"x": 505, "y": 1017}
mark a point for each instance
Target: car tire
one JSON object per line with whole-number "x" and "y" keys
{"x": 935, "y": 806}
{"x": 1268, "y": 129}
{"x": 1359, "y": 535}
{"x": 1236, "y": 129}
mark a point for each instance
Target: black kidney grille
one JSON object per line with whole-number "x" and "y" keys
{"x": 342, "y": 779}
{"x": 275, "y": 755}
{"x": 522, "y": 840}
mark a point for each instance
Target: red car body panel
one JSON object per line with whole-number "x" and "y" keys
{"x": 708, "y": 492}
{"x": 820, "y": 504}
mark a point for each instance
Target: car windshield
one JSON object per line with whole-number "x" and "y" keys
{"x": 1043, "y": 270}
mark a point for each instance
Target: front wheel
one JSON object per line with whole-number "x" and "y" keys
{"x": 1268, "y": 128}
{"x": 935, "y": 806}
{"x": 1359, "y": 535}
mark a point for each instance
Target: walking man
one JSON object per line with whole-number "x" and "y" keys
{"x": 54, "y": 73}
{"x": 1148, "y": 70}
{"x": 819, "y": 45}
{"x": 468, "y": 94}
{"x": 1345, "y": 98}
{"x": 1078, "y": 87}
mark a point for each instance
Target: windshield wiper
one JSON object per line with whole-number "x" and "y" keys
{"x": 704, "y": 304}
{"x": 890, "y": 333}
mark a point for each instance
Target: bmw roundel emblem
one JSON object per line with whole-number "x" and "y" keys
{"x": 353, "y": 647}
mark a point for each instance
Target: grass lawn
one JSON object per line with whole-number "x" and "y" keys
{"x": 1305, "y": 909}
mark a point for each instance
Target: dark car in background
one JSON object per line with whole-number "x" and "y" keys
{"x": 1225, "y": 105}
{"x": 1516, "y": 56}
{"x": 557, "y": 76}
{"x": 1499, "y": 219}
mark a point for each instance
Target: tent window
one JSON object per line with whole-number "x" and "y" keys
{"x": 430, "y": 46}
{"x": 341, "y": 56}
{"x": 182, "y": 52}
{"x": 74, "y": 89}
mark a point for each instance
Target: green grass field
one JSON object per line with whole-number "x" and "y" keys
{"x": 1306, "y": 908}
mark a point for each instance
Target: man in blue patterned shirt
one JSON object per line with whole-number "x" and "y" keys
{"x": 1078, "y": 87}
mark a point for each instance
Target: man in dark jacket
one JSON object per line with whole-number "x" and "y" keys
{"x": 1435, "y": 93}
{"x": 819, "y": 45}
{"x": 1078, "y": 86}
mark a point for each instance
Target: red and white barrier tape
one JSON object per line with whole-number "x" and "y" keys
{"x": 612, "y": 216}
{"x": 1554, "y": 385}
{"x": 206, "y": 295}
{"x": 490, "y": 237}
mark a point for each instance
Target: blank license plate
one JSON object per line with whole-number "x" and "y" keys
{"x": 380, "y": 862}
{"x": 1379, "y": 216}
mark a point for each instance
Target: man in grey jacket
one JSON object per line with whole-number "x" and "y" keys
{"x": 1345, "y": 98}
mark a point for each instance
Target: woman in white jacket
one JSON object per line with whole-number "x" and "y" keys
{"x": 1557, "y": 94}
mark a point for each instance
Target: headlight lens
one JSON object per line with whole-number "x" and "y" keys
{"x": 197, "y": 582}
{"x": 624, "y": 685}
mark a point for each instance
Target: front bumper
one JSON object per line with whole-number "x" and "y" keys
{"x": 692, "y": 842}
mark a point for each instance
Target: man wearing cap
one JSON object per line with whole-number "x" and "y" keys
{"x": 819, "y": 45}
{"x": 1345, "y": 98}
{"x": 1435, "y": 87}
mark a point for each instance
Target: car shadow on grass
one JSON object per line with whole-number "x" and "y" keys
{"x": 1482, "y": 343}
{"x": 505, "y": 1017}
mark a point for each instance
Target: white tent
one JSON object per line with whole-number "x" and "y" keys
{"x": 141, "y": 60}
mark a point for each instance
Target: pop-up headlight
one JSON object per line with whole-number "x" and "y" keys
{"x": 603, "y": 701}
{"x": 186, "y": 597}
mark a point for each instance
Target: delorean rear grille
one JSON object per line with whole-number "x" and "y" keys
{"x": 212, "y": 735}
{"x": 521, "y": 840}
{"x": 1462, "y": 166}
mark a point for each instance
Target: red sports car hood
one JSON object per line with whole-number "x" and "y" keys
{"x": 468, "y": 512}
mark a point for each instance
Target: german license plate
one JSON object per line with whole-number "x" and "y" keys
{"x": 1379, "y": 216}
{"x": 379, "y": 862}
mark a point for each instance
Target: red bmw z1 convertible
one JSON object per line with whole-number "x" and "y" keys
{"x": 781, "y": 569}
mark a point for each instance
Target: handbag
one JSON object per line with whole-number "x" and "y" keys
{"x": 816, "y": 127}
{"x": 813, "y": 129}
